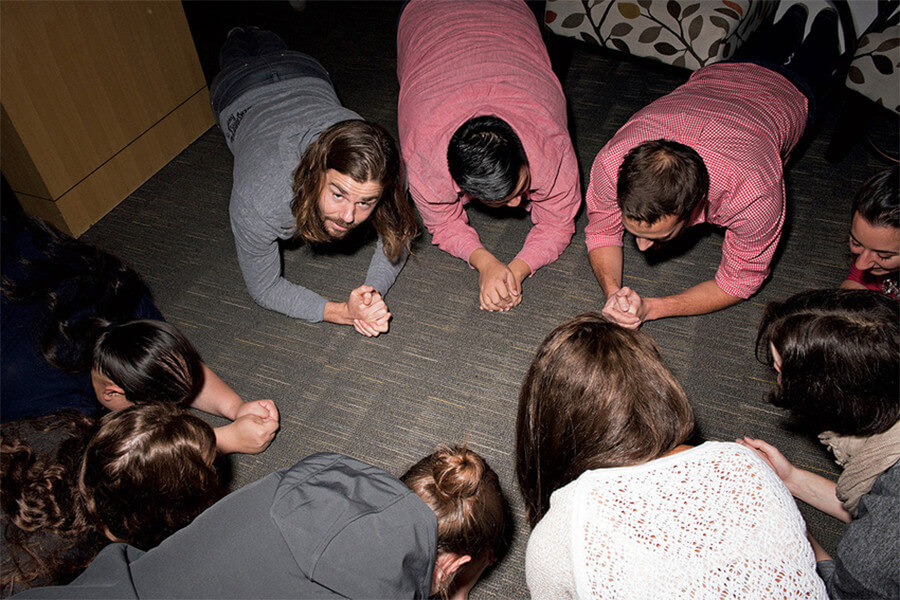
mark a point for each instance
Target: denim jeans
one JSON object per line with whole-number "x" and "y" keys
{"x": 252, "y": 58}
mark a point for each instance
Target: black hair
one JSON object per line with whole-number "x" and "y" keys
{"x": 151, "y": 361}
{"x": 79, "y": 288}
{"x": 661, "y": 178}
{"x": 485, "y": 157}
{"x": 878, "y": 200}
{"x": 840, "y": 359}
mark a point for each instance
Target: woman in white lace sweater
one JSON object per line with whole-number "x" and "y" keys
{"x": 620, "y": 506}
{"x": 837, "y": 353}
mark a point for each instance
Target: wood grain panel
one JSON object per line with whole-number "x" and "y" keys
{"x": 82, "y": 81}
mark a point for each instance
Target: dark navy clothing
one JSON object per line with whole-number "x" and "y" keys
{"x": 29, "y": 385}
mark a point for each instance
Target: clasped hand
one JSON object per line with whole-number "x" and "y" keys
{"x": 626, "y": 308}
{"x": 500, "y": 289}
{"x": 369, "y": 312}
{"x": 253, "y": 429}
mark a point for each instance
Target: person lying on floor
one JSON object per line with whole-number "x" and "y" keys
{"x": 621, "y": 506}
{"x": 328, "y": 527}
{"x": 73, "y": 484}
{"x": 306, "y": 168}
{"x": 837, "y": 355}
{"x": 875, "y": 235}
{"x": 482, "y": 118}
{"x": 712, "y": 151}
{"x": 65, "y": 344}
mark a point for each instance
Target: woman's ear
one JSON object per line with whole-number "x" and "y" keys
{"x": 108, "y": 393}
{"x": 445, "y": 567}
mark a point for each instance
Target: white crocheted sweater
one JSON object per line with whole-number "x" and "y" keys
{"x": 710, "y": 522}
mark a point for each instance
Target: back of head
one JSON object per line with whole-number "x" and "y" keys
{"x": 465, "y": 495}
{"x": 878, "y": 200}
{"x": 596, "y": 395}
{"x": 840, "y": 359}
{"x": 79, "y": 287}
{"x": 148, "y": 472}
{"x": 661, "y": 178}
{"x": 363, "y": 151}
{"x": 152, "y": 361}
{"x": 485, "y": 157}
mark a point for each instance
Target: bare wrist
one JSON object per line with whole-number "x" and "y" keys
{"x": 520, "y": 269}
{"x": 481, "y": 259}
{"x": 337, "y": 312}
{"x": 224, "y": 439}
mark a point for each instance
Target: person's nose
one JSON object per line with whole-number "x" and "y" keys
{"x": 643, "y": 243}
{"x": 349, "y": 213}
{"x": 865, "y": 260}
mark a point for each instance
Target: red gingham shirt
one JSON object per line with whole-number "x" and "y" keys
{"x": 743, "y": 120}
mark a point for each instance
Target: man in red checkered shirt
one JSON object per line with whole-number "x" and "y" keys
{"x": 711, "y": 151}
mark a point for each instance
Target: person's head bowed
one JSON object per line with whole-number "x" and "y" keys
{"x": 596, "y": 395}
{"x": 147, "y": 472}
{"x": 486, "y": 159}
{"x": 143, "y": 362}
{"x": 838, "y": 356}
{"x": 464, "y": 493}
{"x": 660, "y": 184}
{"x": 353, "y": 172}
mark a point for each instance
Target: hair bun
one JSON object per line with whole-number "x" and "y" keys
{"x": 457, "y": 472}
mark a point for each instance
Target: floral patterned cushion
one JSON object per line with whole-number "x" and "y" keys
{"x": 875, "y": 70}
{"x": 691, "y": 33}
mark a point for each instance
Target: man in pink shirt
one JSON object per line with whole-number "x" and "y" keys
{"x": 482, "y": 117}
{"x": 711, "y": 151}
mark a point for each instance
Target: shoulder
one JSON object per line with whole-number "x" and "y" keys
{"x": 548, "y": 556}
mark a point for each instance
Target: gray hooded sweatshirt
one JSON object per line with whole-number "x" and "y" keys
{"x": 328, "y": 527}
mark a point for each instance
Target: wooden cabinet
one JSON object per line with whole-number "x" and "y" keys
{"x": 96, "y": 97}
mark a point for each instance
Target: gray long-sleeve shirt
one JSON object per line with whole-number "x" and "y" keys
{"x": 267, "y": 130}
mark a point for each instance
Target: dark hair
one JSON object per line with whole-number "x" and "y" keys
{"x": 364, "y": 152}
{"x": 50, "y": 535}
{"x": 151, "y": 361}
{"x": 596, "y": 395}
{"x": 661, "y": 178}
{"x": 485, "y": 157}
{"x": 878, "y": 200}
{"x": 38, "y": 497}
{"x": 840, "y": 359}
{"x": 464, "y": 493}
{"x": 80, "y": 289}
{"x": 147, "y": 473}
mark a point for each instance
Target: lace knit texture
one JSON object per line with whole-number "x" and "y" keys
{"x": 710, "y": 522}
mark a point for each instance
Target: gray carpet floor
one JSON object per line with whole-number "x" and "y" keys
{"x": 448, "y": 372}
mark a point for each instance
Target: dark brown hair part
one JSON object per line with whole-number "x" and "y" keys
{"x": 596, "y": 395}
{"x": 148, "y": 472}
{"x": 661, "y": 178}
{"x": 364, "y": 152}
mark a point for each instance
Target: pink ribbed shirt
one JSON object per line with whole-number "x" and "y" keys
{"x": 458, "y": 60}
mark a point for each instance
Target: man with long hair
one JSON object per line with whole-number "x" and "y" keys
{"x": 306, "y": 168}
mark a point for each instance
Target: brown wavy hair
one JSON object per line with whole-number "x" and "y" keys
{"x": 363, "y": 151}
{"x": 596, "y": 395}
{"x": 135, "y": 476}
{"x": 464, "y": 493}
